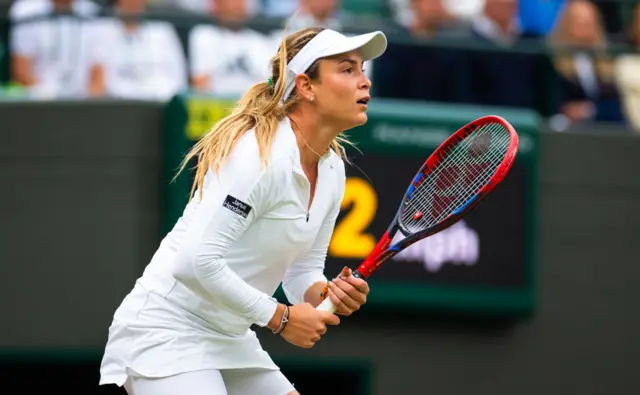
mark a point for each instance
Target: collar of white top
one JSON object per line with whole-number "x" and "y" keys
{"x": 330, "y": 43}
{"x": 329, "y": 157}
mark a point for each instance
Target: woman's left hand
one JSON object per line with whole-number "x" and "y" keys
{"x": 347, "y": 292}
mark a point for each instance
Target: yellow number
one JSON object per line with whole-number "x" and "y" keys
{"x": 349, "y": 238}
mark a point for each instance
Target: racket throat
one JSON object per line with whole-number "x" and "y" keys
{"x": 371, "y": 263}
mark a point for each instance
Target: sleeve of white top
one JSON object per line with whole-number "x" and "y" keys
{"x": 309, "y": 269}
{"x": 200, "y": 263}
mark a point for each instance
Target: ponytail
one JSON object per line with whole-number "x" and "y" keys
{"x": 259, "y": 109}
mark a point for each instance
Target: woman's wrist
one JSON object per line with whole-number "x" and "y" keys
{"x": 276, "y": 320}
{"x": 283, "y": 321}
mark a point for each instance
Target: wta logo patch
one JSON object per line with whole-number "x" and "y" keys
{"x": 237, "y": 206}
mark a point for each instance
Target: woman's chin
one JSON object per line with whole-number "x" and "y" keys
{"x": 361, "y": 119}
{"x": 358, "y": 120}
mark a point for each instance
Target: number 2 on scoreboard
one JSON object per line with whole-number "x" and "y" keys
{"x": 350, "y": 240}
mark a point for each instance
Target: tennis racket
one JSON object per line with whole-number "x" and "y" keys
{"x": 457, "y": 176}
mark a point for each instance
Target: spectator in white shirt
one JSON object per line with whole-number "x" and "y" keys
{"x": 458, "y": 10}
{"x": 227, "y": 59}
{"x": 208, "y": 6}
{"x": 137, "y": 59}
{"x": 320, "y": 13}
{"x": 48, "y": 39}
{"x": 279, "y": 8}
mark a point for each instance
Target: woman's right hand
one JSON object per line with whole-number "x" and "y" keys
{"x": 307, "y": 324}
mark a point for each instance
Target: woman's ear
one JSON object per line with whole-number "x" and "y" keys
{"x": 304, "y": 87}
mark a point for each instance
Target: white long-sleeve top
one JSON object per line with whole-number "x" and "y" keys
{"x": 214, "y": 274}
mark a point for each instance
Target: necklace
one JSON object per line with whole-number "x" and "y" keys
{"x": 294, "y": 127}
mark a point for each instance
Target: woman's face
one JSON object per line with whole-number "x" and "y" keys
{"x": 583, "y": 24}
{"x": 342, "y": 90}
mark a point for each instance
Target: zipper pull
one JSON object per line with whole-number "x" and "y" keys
{"x": 307, "y": 216}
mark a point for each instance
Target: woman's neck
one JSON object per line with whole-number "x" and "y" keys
{"x": 314, "y": 137}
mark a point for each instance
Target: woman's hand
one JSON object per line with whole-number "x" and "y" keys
{"x": 347, "y": 292}
{"x": 307, "y": 325}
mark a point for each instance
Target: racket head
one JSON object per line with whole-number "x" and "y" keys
{"x": 458, "y": 175}
{"x": 455, "y": 178}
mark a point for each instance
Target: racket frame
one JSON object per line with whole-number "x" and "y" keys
{"x": 383, "y": 250}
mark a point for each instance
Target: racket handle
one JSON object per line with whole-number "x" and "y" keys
{"x": 327, "y": 305}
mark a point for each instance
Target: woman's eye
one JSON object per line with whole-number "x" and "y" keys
{"x": 349, "y": 70}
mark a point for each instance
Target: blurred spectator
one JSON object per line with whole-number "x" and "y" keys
{"x": 431, "y": 73}
{"x": 208, "y": 6}
{"x": 430, "y": 18}
{"x": 314, "y": 13}
{"x": 498, "y": 22}
{"x": 197, "y": 6}
{"x": 461, "y": 10}
{"x": 538, "y": 17}
{"x": 279, "y": 8}
{"x": 586, "y": 86}
{"x": 504, "y": 77}
{"x": 627, "y": 75}
{"x": 323, "y": 13}
{"x": 132, "y": 58}
{"x": 311, "y": 13}
{"x": 228, "y": 59}
{"x": 48, "y": 39}
{"x": 464, "y": 9}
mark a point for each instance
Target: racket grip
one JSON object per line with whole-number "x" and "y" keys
{"x": 327, "y": 305}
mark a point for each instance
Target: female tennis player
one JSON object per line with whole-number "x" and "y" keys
{"x": 265, "y": 198}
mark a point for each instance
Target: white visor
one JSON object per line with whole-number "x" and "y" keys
{"x": 329, "y": 43}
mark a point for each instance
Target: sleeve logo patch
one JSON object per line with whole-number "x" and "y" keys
{"x": 237, "y": 206}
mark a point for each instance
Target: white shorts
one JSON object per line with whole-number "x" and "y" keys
{"x": 213, "y": 382}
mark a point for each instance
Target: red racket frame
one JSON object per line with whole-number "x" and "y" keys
{"x": 382, "y": 252}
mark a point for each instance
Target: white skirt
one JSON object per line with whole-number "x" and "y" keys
{"x": 151, "y": 337}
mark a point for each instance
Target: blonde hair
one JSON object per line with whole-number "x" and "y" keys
{"x": 260, "y": 109}
{"x": 560, "y": 36}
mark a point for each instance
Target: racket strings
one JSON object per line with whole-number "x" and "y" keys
{"x": 449, "y": 178}
{"x": 491, "y": 159}
{"x": 457, "y": 178}
{"x": 491, "y": 162}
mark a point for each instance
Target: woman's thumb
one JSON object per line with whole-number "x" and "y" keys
{"x": 346, "y": 272}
